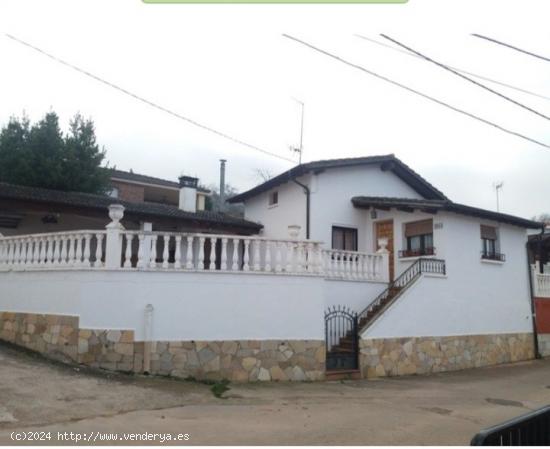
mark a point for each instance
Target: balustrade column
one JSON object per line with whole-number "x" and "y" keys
{"x": 189, "y": 253}
{"x": 246, "y": 255}
{"x": 200, "y": 263}
{"x": 257, "y": 256}
{"x": 177, "y": 253}
{"x": 78, "y": 251}
{"x": 86, "y": 255}
{"x": 165, "y": 252}
{"x": 223, "y": 264}
{"x": 153, "y": 256}
{"x": 99, "y": 251}
{"x": 289, "y": 256}
{"x": 56, "y": 251}
{"x": 128, "y": 253}
{"x": 268, "y": 256}
{"x": 142, "y": 262}
{"x": 235, "y": 264}
{"x": 213, "y": 242}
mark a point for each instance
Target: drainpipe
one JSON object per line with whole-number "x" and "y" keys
{"x": 308, "y": 194}
{"x": 147, "y": 344}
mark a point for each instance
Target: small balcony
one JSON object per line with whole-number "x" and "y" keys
{"x": 419, "y": 252}
{"x": 494, "y": 256}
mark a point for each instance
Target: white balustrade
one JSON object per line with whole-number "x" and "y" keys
{"x": 148, "y": 250}
{"x": 541, "y": 282}
{"x": 51, "y": 251}
{"x": 352, "y": 265}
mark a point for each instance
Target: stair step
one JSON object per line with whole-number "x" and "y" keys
{"x": 352, "y": 374}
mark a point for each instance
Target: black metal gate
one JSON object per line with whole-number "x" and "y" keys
{"x": 341, "y": 340}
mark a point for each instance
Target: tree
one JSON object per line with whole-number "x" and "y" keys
{"x": 543, "y": 218}
{"x": 213, "y": 201}
{"x": 42, "y": 156}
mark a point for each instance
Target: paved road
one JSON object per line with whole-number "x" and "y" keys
{"x": 440, "y": 409}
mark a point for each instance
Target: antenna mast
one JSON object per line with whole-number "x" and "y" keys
{"x": 497, "y": 186}
{"x": 299, "y": 150}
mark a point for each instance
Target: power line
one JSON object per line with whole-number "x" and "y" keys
{"x": 484, "y": 78}
{"x": 483, "y": 86}
{"x": 490, "y": 39}
{"x": 402, "y": 86}
{"x": 149, "y": 102}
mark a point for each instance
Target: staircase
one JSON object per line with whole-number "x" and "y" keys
{"x": 396, "y": 288}
{"x": 343, "y": 326}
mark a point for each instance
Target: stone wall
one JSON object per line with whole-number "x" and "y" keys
{"x": 59, "y": 337}
{"x": 241, "y": 360}
{"x": 422, "y": 355}
{"x": 544, "y": 344}
{"x": 53, "y": 335}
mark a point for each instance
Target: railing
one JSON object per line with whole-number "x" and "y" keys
{"x": 434, "y": 266}
{"x": 493, "y": 256}
{"x": 354, "y": 265}
{"x": 541, "y": 283}
{"x": 118, "y": 248}
{"x": 57, "y": 249}
{"x": 430, "y": 251}
{"x": 207, "y": 252}
{"x": 531, "y": 429}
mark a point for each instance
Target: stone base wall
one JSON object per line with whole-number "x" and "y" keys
{"x": 544, "y": 344}
{"x": 114, "y": 350}
{"x": 241, "y": 360}
{"x": 53, "y": 335}
{"x": 61, "y": 338}
{"x": 422, "y": 355}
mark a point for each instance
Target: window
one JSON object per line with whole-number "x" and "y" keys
{"x": 419, "y": 239}
{"x": 273, "y": 198}
{"x": 344, "y": 239}
{"x": 489, "y": 244}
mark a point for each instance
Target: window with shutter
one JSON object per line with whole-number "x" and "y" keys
{"x": 489, "y": 244}
{"x": 419, "y": 238}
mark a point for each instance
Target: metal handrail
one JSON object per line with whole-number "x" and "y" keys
{"x": 436, "y": 266}
{"x": 530, "y": 429}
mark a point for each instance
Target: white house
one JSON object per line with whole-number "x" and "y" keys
{"x": 362, "y": 268}
{"x": 469, "y": 307}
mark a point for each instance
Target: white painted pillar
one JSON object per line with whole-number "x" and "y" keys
{"x": 384, "y": 268}
{"x": 113, "y": 250}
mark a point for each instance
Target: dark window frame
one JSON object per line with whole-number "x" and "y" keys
{"x": 423, "y": 250}
{"x": 345, "y": 229}
{"x": 273, "y": 198}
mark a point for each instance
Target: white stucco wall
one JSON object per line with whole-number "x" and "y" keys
{"x": 331, "y": 200}
{"x": 290, "y": 210}
{"x": 331, "y": 193}
{"x": 188, "y": 306}
{"x": 476, "y": 297}
{"x": 353, "y": 294}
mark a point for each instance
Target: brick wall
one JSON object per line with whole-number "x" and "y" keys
{"x": 130, "y": 192}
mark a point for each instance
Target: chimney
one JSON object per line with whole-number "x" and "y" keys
{"x": 222, "y": 185}
{"x": 188, "y": 193}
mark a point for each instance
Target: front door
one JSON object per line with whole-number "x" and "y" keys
{"x": 384, "y": 230}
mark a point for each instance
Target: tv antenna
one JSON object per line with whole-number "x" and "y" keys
{"x": 497, "y": 186}
{"x": 300, "y": 148}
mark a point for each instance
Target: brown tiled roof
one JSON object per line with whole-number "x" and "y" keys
{"x": 145, "y": 179}
{"x": 102, "y": 202}
{"x": 447, "y": 205}
{"x": 388, "y": 162}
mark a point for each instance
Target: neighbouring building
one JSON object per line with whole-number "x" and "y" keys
{"x": 167, "y": 205}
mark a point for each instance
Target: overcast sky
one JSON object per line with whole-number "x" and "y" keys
{"x": 227, "y": 66}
